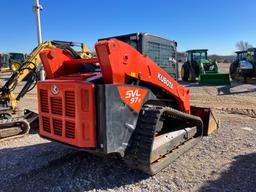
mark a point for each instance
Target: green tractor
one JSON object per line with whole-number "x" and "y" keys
{"x": 198, "y": 66}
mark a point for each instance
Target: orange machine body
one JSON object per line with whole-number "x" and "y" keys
{"x": 68, "y": 100}
{"x": 67, "y": 112}
{"x": 118, "y": 61}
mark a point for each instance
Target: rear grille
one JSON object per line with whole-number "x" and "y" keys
{"x": 44, "y": 101}
{"x": 56, "y": 105}
{"x": 70, "y": 109}
{"x": 70, "y": 130}
{"x": 57, "y": 127}
{"x": 59, "y": 120}
{"x": 46, "y": 124}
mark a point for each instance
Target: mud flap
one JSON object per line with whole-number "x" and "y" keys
{"x": 211, "y": 123}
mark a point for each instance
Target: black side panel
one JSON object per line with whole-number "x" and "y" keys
{"x": 116, "y": 121}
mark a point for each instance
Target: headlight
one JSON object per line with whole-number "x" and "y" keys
{"x": 245, "y": 65}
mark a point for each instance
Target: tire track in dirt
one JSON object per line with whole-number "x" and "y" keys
{"x": 240, "y": 100}
{"x": 248, "y": 112}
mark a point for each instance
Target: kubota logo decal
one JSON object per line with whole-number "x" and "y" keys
{"x": 132, "y": 96}
{"x": 164, "y": 80}
{"x": 55, "y": 89}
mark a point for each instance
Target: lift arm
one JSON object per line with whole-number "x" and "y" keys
{"x": 119, "y": 63}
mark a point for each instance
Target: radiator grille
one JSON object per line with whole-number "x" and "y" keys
{"x": 44, "y": 101}
{"x": 57, "y": 127}
{"x": 46, "y": 124}
{"x": 56, "y": 105}
{"x": 70, "y": 109}
{"x": 70, "y": 129}
{"x": 58, "y": 120}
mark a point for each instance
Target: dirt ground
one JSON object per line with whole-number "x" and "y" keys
{"x": 224, "y": 161}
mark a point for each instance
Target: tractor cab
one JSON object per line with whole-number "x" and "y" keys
{"x": 251, "y": 54}
{"x": 198, "y": 65}
{"x": 241, "y": 55}
{"x": 197, "y": 55}
{"x": 15, "y": 60}
{"x": 198, "y": 60}
{"x": 11, "y": 61}
{"x": 4, "y": 62}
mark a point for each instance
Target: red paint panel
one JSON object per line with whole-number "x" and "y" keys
{"x": 75, "y": 122}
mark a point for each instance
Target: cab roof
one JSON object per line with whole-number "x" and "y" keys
{"x": 197, "y": 50}
{"x": 240, "y": 52}
{"x": 250, "y": 49}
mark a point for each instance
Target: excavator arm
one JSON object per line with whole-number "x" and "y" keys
{"x": 28, "y": 68}
{"x": 28, "y": 71}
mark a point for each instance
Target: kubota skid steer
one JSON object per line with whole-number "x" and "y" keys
{"x": 129, "y": 106}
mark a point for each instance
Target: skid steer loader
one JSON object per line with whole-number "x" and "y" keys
{"x": 119, "y": 102}
{"x": 198, "y": 65}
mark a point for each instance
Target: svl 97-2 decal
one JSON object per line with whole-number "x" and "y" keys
{"x": 132, "y": 96}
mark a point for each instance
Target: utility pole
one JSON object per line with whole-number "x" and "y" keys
{"x": 37, "y": 8}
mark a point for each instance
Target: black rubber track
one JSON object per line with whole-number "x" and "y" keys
{"x": 139, "y": 151}
{"x": 13, "y": 128}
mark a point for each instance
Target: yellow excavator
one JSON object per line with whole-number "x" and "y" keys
{"x": 16, "y": 123}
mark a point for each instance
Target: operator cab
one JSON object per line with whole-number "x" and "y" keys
{"x": 4, "y": 62}
{"x": 194, "y": 58}
{"x": 241, "y": 55}
{"x": 162, "y": 51}
{"x": 251, "y": 54}
{"x": 196, "y": 55}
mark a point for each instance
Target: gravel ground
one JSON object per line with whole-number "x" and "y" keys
{"x": 224, "y": 161}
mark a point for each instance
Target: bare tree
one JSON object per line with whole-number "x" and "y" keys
{"x": 243, "y": 45}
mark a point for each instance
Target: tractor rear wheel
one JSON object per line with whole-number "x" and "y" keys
{"x": 184, "y": 72}
{"x": 235, "y": 75}
{"x": 191, "y": 76}
{"x": 232, "y": 71}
